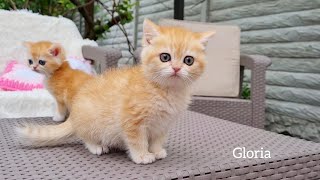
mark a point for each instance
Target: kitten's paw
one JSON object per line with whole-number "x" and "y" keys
{"x": 58, "y": 117}
{"x": 144, "y": 158}
{"x": 160, "y": 154}
{"x": 95, "y": 149}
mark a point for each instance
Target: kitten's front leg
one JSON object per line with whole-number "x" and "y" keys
{"x": 61, "y": 112}
{"x": 137, "y": 142}
{"x": 156, "y": 146}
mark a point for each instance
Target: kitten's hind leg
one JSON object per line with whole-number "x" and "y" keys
{"x": 94, "y": 148}
{"x": 61, "y": 112}
{"x": 105, "y": 149}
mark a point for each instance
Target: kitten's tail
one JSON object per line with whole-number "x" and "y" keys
{"x": 44, "y": 135}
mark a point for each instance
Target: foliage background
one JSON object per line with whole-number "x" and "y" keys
{"x": 118, "y": 13}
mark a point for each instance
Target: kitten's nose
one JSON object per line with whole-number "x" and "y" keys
{"x": 176, "y": 69}
{"x": 34, "y": 68}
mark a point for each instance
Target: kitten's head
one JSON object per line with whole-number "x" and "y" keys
{"x": 173, "y": 56}
{"x": 45, "y": 57}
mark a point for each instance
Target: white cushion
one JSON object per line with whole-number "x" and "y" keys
{"x": 18, "y": 104}
{"x": 19, "y": 26}
{"x": 222, "y": 75}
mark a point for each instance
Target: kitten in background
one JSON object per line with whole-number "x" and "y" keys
{"x": 133, "y": 108}
{"x": 61, "y": 80}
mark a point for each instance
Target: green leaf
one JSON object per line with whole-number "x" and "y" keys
{"x": 246, "y": 91}
{"x": 64, "y": 7}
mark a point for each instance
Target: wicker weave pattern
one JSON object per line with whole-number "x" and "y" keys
{"x": 235, "y": 110}
{"x": 249, "y": 112}
{"x": 199, "y": 147}
{"x": 103, "y": 57}
{"x": 258, "y": 65}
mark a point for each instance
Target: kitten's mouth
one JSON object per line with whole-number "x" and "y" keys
{"x": 174, "y": 76}
{"x": 36, "y": 70}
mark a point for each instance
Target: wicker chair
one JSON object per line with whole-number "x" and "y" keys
{"x": 249, "y": 112}
{"x": 102, "y": 58}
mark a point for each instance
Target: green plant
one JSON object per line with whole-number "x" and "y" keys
{"x": 119, "y": 13}
{"x": 246, "y": 91}
{"x": 45, "y": 7}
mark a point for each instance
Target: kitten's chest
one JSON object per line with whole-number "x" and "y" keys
{"x": 47, "y": 86}
{"x": 171, "y": 104}
{"x": 165, "y": 110}
{"x": 53, "y": 87}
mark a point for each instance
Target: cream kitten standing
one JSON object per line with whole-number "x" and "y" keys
{"x": 61, "y": 80}
{"x": 133, "y": 108}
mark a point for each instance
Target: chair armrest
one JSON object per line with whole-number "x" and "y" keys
{"x": 102, "y": 57}
{"x": 249, "y": 61}
{"x": 258, "y": 66}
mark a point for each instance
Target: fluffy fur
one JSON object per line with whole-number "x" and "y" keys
{"x": 133, "y": 108}
{"x": 62, "y": 81}
{"x": 17, "y": 104}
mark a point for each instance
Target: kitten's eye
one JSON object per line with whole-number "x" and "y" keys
{"x": 42, "y": 62}
{"x": 188, "y": 60}
{"x": 30, "y": 61}
{"x": 165, "y": 57}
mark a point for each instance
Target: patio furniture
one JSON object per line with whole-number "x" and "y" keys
{"x": 102, "y": 58}
{"x": 199, "y": 147}
{"x": 244, "y": 111}
{"x": 19, "y": 26}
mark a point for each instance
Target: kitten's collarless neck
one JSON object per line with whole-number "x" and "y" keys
{"x": 64, "y": 66}
{"x": 169, "y": 89}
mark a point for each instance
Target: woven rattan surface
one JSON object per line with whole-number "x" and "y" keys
{"x": 198, "y": 147}
{"x": 103, "y": 57}
{"x": 232, "y": 109}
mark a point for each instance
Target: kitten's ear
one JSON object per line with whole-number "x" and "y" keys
{"x": 205, "y": 36}
{"x": 150, "y": 30}
{"x": 55, "y": 50}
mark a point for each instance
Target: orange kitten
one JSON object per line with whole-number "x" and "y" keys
{"x": 61, "y": 81}
{"x": 133, "y": 108}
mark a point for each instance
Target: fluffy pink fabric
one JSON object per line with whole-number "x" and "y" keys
{"x": 19, "y": 77}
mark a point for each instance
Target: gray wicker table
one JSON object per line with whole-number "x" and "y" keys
{"x": 199, "y": 147}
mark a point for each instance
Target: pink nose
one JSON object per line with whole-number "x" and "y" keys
{"x": 176, "y": 69}
{"x": 34, "y": 68}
